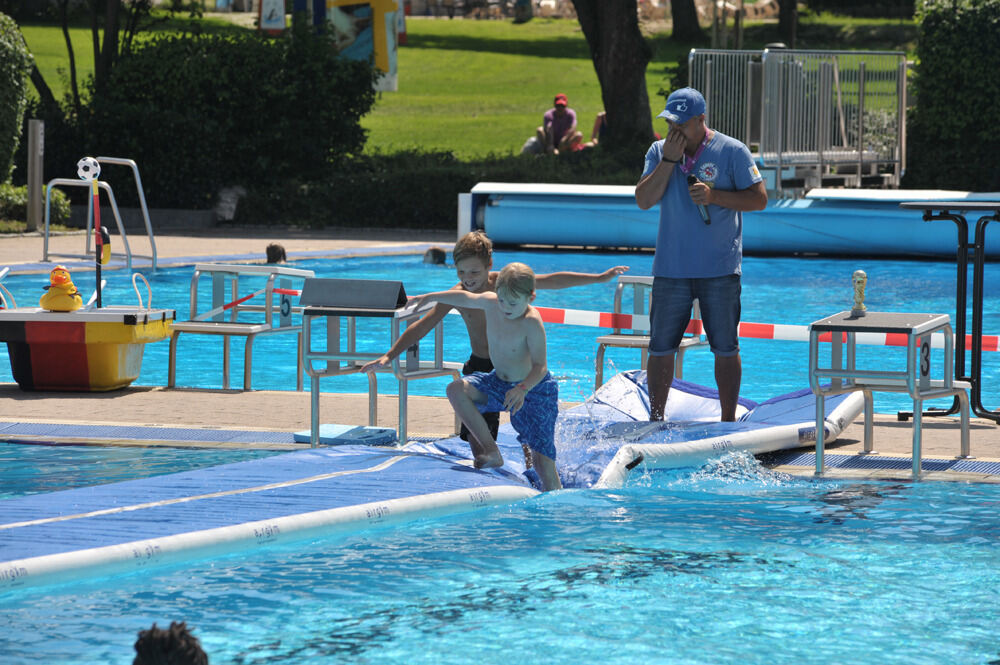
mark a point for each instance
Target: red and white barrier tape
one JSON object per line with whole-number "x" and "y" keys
{"x": 580, "y": 317}
{"x": 222, "y": 308}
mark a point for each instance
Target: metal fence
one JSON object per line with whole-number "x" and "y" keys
{"x": 829, "y": 115}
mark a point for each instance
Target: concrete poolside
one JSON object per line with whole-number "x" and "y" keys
{"x": 273, "y": 411}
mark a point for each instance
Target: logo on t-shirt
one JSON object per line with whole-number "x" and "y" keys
{"x": 754, "y": 173}
{"x": 708, "y": 172}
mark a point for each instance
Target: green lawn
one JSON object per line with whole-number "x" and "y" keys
{"x": 477, "y": 88}
{"x": 48, "y": 46}
{"x": 480, "y": 87}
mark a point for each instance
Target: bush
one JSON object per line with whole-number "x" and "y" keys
{"x": 15, "y": 63}
{"x": 420, "y": 189}
{"x": 14, "y": 205}
{"x": 953, "y": 142}
{"x": 201, "y": 113}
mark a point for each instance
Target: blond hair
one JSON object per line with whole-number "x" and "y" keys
{"x": 516, "y": 279}
{"x": 473, "y": 244}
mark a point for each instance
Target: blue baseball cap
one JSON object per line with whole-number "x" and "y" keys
{"x": 682, "y": 105}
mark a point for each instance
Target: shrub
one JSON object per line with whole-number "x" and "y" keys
{"x": 15, "y": 63}
{"x": 201, "y": 113}
{"x": 14, "y": 204}
{"x": 419, "y": 189}
{"x": 952, "y": 142}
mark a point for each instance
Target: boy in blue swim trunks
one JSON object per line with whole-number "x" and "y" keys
{"x": 473, "y": 259}
{"x": 520, "y": 381}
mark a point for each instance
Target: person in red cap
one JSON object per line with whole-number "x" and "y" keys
{"x": 558, "y": 131}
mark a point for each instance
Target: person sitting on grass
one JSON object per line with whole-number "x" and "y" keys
{"x": 520, "y": 381}
{"x": 558, "y": 132}
{"x": 473, "y": 258}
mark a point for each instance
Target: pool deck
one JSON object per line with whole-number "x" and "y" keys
{"x": 216, "y": 417}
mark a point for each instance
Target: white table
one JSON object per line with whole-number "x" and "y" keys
{"x": 915, "y": 379}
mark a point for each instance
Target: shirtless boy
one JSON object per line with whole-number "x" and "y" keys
{"x": 473, "y": 258}
{"x": 520, "y": 382}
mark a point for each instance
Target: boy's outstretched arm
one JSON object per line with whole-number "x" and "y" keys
{"x": 410, "y": 336}
{"x": 565, "y": 279}
{"x": 455, "y": 298}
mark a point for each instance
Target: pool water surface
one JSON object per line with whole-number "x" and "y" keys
{"x": 728, "y": 564}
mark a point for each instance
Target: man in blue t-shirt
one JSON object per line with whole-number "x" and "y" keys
{"x": 703, "y": 181}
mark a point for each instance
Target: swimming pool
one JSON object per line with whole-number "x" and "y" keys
{"x": 728, "y": 564}
{"x": 783, "y": 290}
{"x": 33, "y": 469}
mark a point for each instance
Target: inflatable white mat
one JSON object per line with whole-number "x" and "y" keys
{"x": 127, "y": 526}
{"x": 603, "y": 439}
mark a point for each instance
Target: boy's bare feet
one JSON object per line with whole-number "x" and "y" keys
{"x": 493, "y": 461}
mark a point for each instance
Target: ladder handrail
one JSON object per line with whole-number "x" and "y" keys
{"x": 123, "y": 161}
{"x": 75, "y": 182}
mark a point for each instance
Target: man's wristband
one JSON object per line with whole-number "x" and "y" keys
{"x": 523, "y": 387}
{"x": 671, "y": 161}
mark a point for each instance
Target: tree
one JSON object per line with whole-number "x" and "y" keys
{"x": 685, "y": 20}
{"x": 620, "y": 54}
{"x": 117, "y": 39}
{"x": 788, "y": 19}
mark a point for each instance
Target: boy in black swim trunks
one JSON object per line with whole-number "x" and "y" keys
{"x": 521, "y": 382}
{"x": 473, "y": 258}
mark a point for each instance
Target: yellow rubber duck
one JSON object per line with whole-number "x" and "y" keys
{"x": 60, "y": 295}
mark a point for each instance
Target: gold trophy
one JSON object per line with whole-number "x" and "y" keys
{"x": 859, "y": 279}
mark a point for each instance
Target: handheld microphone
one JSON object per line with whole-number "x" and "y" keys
{"x": 702, "y": 210}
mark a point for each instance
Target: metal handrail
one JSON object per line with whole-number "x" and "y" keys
{"x": 122, "y": 161}
{"x": 72, "y": 182}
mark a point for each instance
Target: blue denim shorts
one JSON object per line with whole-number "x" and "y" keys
{"x": 670, "y": 312}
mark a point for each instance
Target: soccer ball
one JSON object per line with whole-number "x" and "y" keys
{"x": 88, "y": 168}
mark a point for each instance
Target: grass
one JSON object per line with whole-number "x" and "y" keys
{"x": 479, "y": 88}
{"x": 48, "y": 46}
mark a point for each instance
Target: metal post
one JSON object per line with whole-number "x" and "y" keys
{"x": 861, "y": 120}
{"x": 36, "y": 163}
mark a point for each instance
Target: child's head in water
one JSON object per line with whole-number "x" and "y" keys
{"x": 473, "y": 257}
{"x": 275, "y": 253}
{"x": 435, "y": 256}
{"x": 515, "y": 289}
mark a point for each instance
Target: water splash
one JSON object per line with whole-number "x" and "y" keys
{"x": 739, "y": 467}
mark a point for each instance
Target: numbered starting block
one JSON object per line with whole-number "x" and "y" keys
{"x": 237, "y": 313}
{"x": 913, "y": 331}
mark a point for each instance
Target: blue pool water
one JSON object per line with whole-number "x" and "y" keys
{"x": 33, "y": 469}
{"x": 728, "y": 564}
{"x": 783, "y": 290}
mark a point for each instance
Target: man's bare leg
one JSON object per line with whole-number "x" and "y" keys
{"x": 545, "y": 467}
{"x": 728, "y": 375}
{"x": 659, "y": 377}
{"x": 463, "y": 398}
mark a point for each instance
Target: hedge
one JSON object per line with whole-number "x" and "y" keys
{"x": 201, "y": 113}
{"x": 15, "y": 63}
{"x": 953, "y": 139}
{"x": 420, "y": 189}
